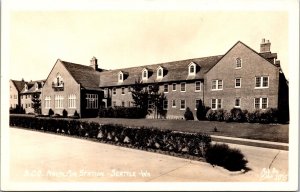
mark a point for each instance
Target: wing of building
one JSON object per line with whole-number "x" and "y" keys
{"x": 241, "y": 78}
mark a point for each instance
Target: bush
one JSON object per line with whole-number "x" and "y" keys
{"x": 219, "y": 115}
{"x": 222, "y": 155}
{"x": 211, "y": 115}
{"x": 237, "y": 115}
{"x": 121, "y": 112}
{"x": 65, "y": 113}
{"x": 50, "y": 112}
{"x": 201, "y": 111}
{"x": 188, "y": 114}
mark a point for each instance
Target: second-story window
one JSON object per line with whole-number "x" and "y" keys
{"x": 238, "y": 63}
{"x": 217, "y": 85}
{"x": 166, "y": 88}
{"x": 261, "y": 82}
{"x": 197, "y": 86}
{"x": 182, "y": 87}
{"x": 114, "y": 91}
{"x": 238, "y": 83}
{"x": 123, "y": 90}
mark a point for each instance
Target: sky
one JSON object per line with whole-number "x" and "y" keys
{"x": 126, "y": 38}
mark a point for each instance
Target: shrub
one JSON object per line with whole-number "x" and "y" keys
{"x": 237, "y": 115}
{"x": 121, "y": 112}
{"x": 188, "y": 114}
{"x": 211, "y": 115}
{"x": 219, "y": 115}
{"x": 76, "y": 115}
{"x": 222, "y": 155}
{"x": 65, "y": 113}
{"x": 201, "y": 111}
{"x": 50, "y": 112}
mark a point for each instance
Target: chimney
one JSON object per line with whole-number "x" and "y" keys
{"x": 265, "y": 46}
{"x": 93, "y": 63}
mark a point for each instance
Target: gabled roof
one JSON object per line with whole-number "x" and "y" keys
{"x": 19, "y": 84}
{"x": 31, "y": 87}
{"x": 86, "y": 76}
{"x": 176, "y": 71}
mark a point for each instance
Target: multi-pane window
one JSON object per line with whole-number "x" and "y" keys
{"x": 166, "y": 88}
{"x": 59, "y": 101}
{"x": 174, "y": 103}
{"x": 129, "y": 89}
{"x": 174, "y": 87}
{"x": 217, "y": 85}
{"x": 123, "y": 90}
{"x": 261, "y": 103}
{"x": 159, "y": 73}
{"x": 262, "y": 82}
{"x": 165, "y": 104}
{"x": 72, "y": 101}
{"x": 237, "y": 102}
{"x": 114, "y": 90}
{"x": 123, "y": 104}
{"x": 197, "y": 86}
{"x": 182, "y": 87}
{"x": 238, "y": 62}
{"x": 192, "y": 69}
{"x": 238, "y": 83}
{"x": 91, "y": 101}
{"x": 216, "y": 104}
{"x": 182, "y": 104}
{"x": 197, "y": 103}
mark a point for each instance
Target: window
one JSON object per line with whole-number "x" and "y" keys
{"x": 182, "y": 104}
{"x": 197, "y": 103}
{"x": 145, "y": 74}
{"x": 123, "y": 90}
{"x": 11, "y": 96}
{"x": 129, "y": 103}
{"x": 72, "y": 101}
{"x": 192, "y": 69}
{"x": 197, "y": 86}
{"x": 238, "y": 62}
{"x": 174, "y": 87}
{"x": 150, "y": 87}
{"x": 120, "y": 77}
{"x": 105, "y": 93}
{"x": 160, "y": 72}
{"x": 262, "y": 82}
{"x": 216, "y": 103}
{"x": 26, "y": 105}
{"x": 166, "y": 88}
{"x": 59, "y": 101}
{"x": 21, "y": 96}
{"x": 237, "y": 103}
{"x": 261, "y": 103}
{"x": 47, "y": 102}
{"x": 129, "y": 89}
{"x": 165, "y": 104}
{"x": 173, "y": 103}
{"x": 114, "y": 103}
{"x": 25, "y": 96}
{"x": 123, "y": 104}
{"x": 114, "y": 90}
{"x": 91, "y": 101}
{"x": 217, "y": 85}
{"x": 182, "y": 87}
{"x": 238, "y": 83}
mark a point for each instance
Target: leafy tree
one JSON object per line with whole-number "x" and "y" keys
{"x": 36, "y": 103}
{"x": 188, "y": 115}
{"x": 157, "y": 100}
{"x": 140, "y": 97}
{"x": 201, "y": 111}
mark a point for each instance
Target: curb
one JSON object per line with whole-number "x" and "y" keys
{"x": 251, "y": 142}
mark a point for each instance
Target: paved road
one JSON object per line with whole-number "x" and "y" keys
{"x": 41, "y": 157}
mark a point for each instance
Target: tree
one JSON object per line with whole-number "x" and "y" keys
{"x": 36, "y": 103}
{"x": 158, "y": 101}
{"x": 140, "y": 97}
{"x": 188, "y": 115}
{"x": 201, "y": 111}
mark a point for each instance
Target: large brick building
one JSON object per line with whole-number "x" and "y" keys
{"x": 15, "y": 88}
{"x": 241, "y": 78}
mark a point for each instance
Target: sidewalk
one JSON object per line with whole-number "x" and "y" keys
{"x": 41, "y": 157}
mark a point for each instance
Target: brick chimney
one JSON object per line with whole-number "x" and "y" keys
{"x": 265, "y": 46}
{"x": 93, "y": 63}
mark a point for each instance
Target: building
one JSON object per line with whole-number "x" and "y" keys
{"x": 241, "y": 78}
{"x": 15, "y": 88}
{"x": 28, "y": 91}
{"x": 72, "y": 87}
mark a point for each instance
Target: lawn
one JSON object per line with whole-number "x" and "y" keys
{"x": 267, "y": 132}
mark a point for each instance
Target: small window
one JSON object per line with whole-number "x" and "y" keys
{"x": 260, "y": 103}
{"x": 197, "y": 86}
{"x": 192, "y": 69}
{"x": 165, "y": 104}
{"x": 217, "y": 85}
{"x": 120, "y": 77}
{"x": 238, "y": 83}
{"x": 182, "y": 87}
{"x": 182, "y": 104}
{"x": 237, "y": 103}
{"x": 262, "y": 82}
{"x": 166, "y": 88}
{"x": 197, "y": 103}
{"x": 114, "y": 103}
{"x": 129, "y": 89}
{"x": 238, "y": 62}
{"x": 159, "y": 72}
{"x": 123, "y": 90}
{"x": 129, "y": 103}
{"x": 123, "y": 104}
{"x": 114, "y": 91}
{"x": 174, "y": 87}
{"x": 145, "y": 74}
{"x": 173, "y": 103}
{"x": 216, "y": 104}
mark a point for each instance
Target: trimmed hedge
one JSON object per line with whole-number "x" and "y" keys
{"x": 194, "y": 144}
{"x": 122, "y": 112}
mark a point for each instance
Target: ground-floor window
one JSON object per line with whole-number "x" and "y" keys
{"x": 182, "y": 104}
{"x": 174, "y": 103}
{"x": 91, "y": 101}
{"x": 47, "y": 102}
{"x": 165, "y": 104}
{"x": 72, "y": 101}
{"x": 59, "y": 101}
{"x": 123, "y": 104}
{"x": 216, "y": 103}
{"x": 260, "y": 103}
{"x": 114, "y": 103}
{"x": 197, "y": 103}
{"x": 237, "y": 103}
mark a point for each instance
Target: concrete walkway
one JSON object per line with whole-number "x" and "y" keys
{"x": 41, "y": 157}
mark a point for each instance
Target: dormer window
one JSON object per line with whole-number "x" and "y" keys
{"x": 120, "y": 77}
{"x": 145, "y": 74}
{"x": 36, "y": 86}
{"x": 192, "y": 68}
{"x": 160, "y": 72}
{"x": 238, "y": 63}
{"x": 26, "y": 87}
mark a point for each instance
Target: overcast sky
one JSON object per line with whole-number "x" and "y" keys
{"x": 131, "y": 38}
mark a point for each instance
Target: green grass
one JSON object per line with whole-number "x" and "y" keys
{"x": 267, "y": 132}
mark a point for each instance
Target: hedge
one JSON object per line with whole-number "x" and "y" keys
{"x": 193, "y": 144}
{"x": 122, "y": 112}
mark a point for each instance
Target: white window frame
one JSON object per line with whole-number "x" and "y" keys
{"x": 92, "y": 101}
{"x": 217, "y": 82}
{"x": 114, "y": 91}
{"x": 182, "y": 100}
{"x": 197, "y": 90}
{"x": 237, "y": 106}
{"x": 173, "y": 103}
{"x": 59, "y": 101}
{"x": 143, "y": 72}
{"x": 123, "y": 90}
{"x": 165, "y": 104}
{"x": 260, "y": 103}
{"x": 190, "y": 67}
{"x": 261, "y": 79}
{"x": 120, "y": 74}
{"x": 166, "y": 86}
{"x": 218, "y": 102}
{"x": 173, "y": 86}
{"x": 160, "y": 69}
{"x": 236, "y": 63}
{"x": 47, "y": 102}
{"x": 235, "y": 82}
{"x": 183, "y": 83}
{"x": 72, "y": 101}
